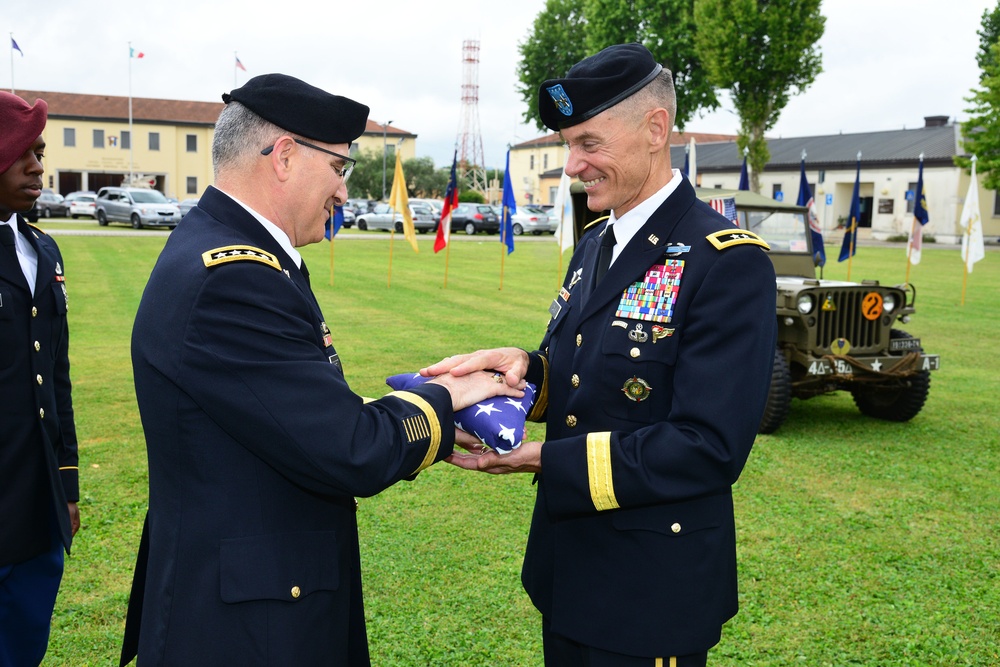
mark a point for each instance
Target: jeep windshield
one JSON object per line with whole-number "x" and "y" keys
{"x": 784, "y": 231}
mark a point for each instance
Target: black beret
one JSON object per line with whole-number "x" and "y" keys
{"x": 306, "y": 110}
{"x": 595, "y": 84}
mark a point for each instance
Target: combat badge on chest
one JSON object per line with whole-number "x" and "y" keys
{"x": 564, "y": 294}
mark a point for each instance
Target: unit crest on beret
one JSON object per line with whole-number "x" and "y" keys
{"x": 239, "y": 253}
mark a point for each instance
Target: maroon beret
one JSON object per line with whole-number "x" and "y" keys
{"x": 20, "y": 125}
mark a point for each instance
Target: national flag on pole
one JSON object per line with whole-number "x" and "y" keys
{"x": 744, "y": 176}
{"x": 564, "y": 210}
{"x": 15, "y": 47}
{"x": 336, "y": 221}
{"x": 239, "y": 65}
{"x": 450, "y": 202}
{"x": 509, "y": 209}
{"x": 726, "y": 206}
{"x": 133, "y": 54}
{"x": 806, "y": 200}
{"x": 400, "y": 201}
{"x": 920, "y": 218}
{"x": 973, "y": 248}
{"x": 849, "y": 247}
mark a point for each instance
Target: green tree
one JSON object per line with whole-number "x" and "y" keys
{"x": 555, "y": 43}
{"x": 366, "y": 179}
{"x": 981, "y": 132}
{"x": 423, "y": 180}
{"x": 988, "y": 36}
{"x": 665, "y": 27}
{"x": 762, "y": 51}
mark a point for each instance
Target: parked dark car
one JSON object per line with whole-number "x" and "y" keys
{"x": 51, "y": 205}
{"x": 475, "y": 218}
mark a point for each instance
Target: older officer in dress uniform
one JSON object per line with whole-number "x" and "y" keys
{"x": 38, "y": 456}
{"x": 256, "y": 444}
{"x": 652, "y": 379}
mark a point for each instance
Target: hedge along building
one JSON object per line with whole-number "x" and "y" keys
{"x": 889, "y": 167}
{"x": 88, "y": 144}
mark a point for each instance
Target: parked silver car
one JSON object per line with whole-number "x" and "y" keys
{"x": 382, "y": 217}
{"x": 139, "y": 207}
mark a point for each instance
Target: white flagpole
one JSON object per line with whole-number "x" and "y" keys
{"x": 12, "y": 63}
{"x": 130, "y": 137}
{"x": 236, "y": 59}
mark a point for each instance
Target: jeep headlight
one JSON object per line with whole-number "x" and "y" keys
{"x": 806, "y": 303}
{"x": 889, "y": 303}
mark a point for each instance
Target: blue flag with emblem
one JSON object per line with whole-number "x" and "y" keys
{"x": 509, "y": 209}
{"x": 806, "y": 200}
{"x": 849, "y": 247}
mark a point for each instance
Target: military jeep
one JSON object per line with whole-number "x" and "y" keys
{"x": 832, "y": 335}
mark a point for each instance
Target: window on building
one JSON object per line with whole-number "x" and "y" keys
{"x": 192, "y": 143}
{"x": 531, "y": 162}
{"x": 911, "y": 187}
{"x": 192, "y": 185}
{"x": 69, "y": 137}
{"x": 996, "y": 204}
{"x": 775, "y": 190}
{"x": 545, "y": 162}
{"x": 154, "y": 141}
{"x": 126, "y": 139}
{"x": 98, "y": 138}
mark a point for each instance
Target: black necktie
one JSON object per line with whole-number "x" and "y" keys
{"x": 7, "y": 238}
{"x": 305, "y": 273}
{"x": 607, "y": 250}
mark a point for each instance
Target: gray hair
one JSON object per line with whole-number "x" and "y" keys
{"x": 657, "y": 93}
{"x": 240, "y": 136}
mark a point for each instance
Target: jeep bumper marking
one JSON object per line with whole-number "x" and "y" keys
{"x": 840, "y": 366}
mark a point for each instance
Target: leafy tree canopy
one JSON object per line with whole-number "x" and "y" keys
{"x": 981, "y": 132}
{"x": 762, "y": 51}
{"x": 988, "y": 36}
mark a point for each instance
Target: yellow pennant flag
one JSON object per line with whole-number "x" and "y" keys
{"x": 399, "y": 201}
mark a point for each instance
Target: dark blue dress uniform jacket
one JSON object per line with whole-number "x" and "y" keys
{"x": 38, "y": 451}
{"x": 257, "y": 447}
{"x": 632, "y": 543}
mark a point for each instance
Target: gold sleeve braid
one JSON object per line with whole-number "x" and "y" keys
{"x": 422, "y": 426}
{"x": 602, "y": 485}
{"x": 541, "y": 394}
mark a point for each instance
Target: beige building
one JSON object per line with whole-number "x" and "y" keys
{"x": 88, "y": 143}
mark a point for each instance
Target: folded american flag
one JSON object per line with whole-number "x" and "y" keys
{"x": 498, "y": 422}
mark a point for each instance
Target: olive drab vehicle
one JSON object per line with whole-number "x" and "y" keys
{"x": 832, "y": 335}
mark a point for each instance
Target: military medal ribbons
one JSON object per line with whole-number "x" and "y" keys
{"x": 652, "y": 299}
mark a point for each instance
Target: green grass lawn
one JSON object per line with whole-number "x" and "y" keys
{"x": 861, "y": 542}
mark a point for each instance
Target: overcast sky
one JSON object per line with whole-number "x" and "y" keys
{"x": 886, "y": 63}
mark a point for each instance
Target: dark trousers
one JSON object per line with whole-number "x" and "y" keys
{"x": 27, "y": 597}
{"x": 563, "y": 652}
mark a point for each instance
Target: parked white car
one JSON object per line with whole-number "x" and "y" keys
{"x": 384, "y": 218}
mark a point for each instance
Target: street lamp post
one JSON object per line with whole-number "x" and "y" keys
{"x": 384, "y": 148}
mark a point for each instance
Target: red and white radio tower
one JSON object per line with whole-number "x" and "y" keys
{"x": 472, "y": 160}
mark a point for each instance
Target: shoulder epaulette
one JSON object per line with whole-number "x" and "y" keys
{"x": 600, "y": 219}
{"x": 37, "y": 229}
{"x": 727, "y": 238}
{"x": 239, "y": 253}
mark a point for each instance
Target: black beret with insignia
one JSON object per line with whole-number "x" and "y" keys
{"x": 303, "y": 109}
{"x": 595, "y": 84}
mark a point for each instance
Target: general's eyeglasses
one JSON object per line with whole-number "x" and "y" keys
{"x": 344, "y": 172}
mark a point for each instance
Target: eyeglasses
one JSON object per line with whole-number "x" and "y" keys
{"x": 344, "y": 172}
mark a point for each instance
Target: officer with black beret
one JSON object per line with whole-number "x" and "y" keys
{"x": 257, "y": 446}
{"x": 652, "y": 374}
